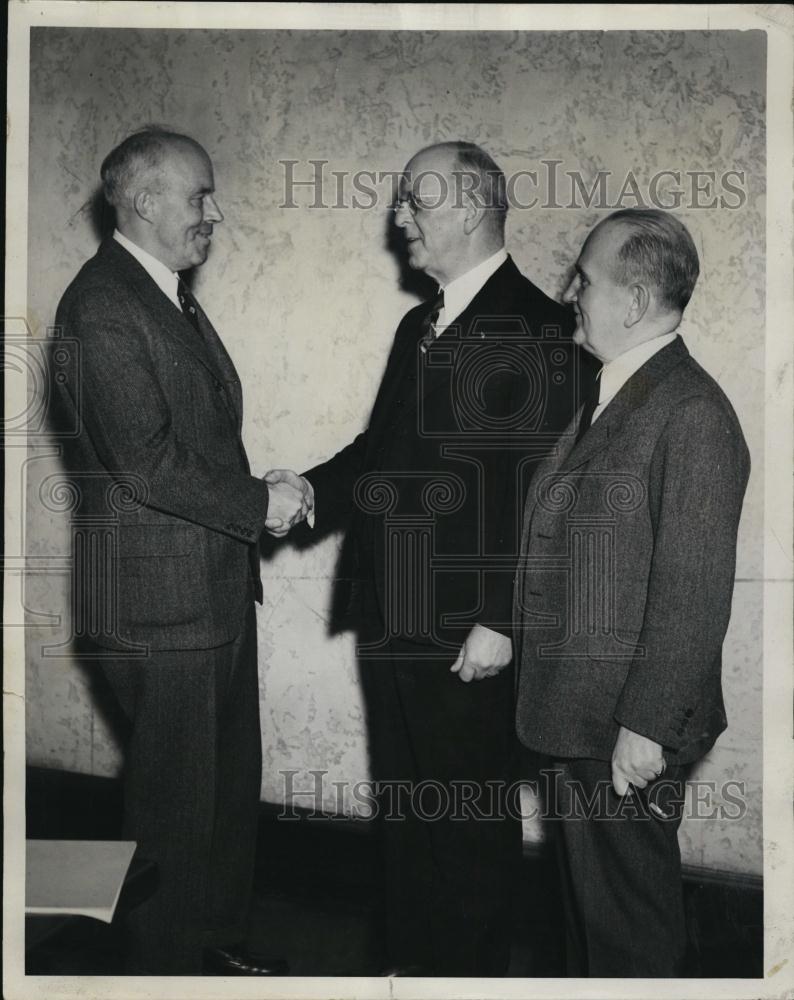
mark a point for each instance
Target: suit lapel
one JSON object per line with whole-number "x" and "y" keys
{"x": 570, "y": 454}
{"x": 631, "y": 396}
{"x": 206, "y": 348}
{"x": 405, "y": 354}
{"x": 495, "y": 300}
{"x": 222, "y": 364}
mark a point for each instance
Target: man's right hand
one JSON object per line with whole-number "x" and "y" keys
{"x": 636, "y": 760}
{"x": 291, "y": 498}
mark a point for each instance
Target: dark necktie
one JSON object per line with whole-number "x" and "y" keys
{"x": 590, "y": 405}
{"x": 428, "y": 326}
{"x": 188, "y": 304}
{"x": 190, "y": 309}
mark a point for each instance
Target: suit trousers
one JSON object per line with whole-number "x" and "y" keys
{"x": 191, "y": 796}
{"x": 443, "y": 753}
{"x": 621, "y": 873}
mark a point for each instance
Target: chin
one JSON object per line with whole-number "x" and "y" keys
{"x": 416, "y": 261}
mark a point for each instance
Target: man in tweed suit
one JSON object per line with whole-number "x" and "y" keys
{"x": 623, "y": 596}
{"x": 160, "y": 411}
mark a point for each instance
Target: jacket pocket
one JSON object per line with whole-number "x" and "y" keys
{"x": 155, "y": 541}
{"x": 161, "y": 576}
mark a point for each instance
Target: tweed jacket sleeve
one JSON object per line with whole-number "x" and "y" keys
{"x": 149, "y": 413}
{"x": 698, "y": 475}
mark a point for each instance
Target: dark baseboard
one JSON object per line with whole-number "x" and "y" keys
{"x": 308, "y": 854}
{"x": 311, "y": 857}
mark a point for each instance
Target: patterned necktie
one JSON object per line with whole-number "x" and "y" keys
{"x": 188, "y": 304}
{"x": 428, "y": 327}
{"x": 590, "y": 406}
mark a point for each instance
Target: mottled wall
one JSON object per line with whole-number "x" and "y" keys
{"x": 307, "y": 299}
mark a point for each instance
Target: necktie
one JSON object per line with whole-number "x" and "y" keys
{"x": 188, "y": 304}
{"x": 190, "y": 310}
{"x": 428, "y": 327}
{"x": 590, "y": 405}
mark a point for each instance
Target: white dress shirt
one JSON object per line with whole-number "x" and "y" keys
{"x": 616, "y": 373}
{"x": 165, "y": 279}
{"x": 459, "y": 293}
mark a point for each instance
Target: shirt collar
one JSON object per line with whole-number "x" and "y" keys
{"x": 459, "y": 293}
{"x": 617, "y": 372}
{"x": 165, "y": 279}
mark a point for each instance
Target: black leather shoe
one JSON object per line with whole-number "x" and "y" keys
{"x": 236, "y": 960}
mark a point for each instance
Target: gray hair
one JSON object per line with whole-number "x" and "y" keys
{"x": 658, "y": 251}
{"x": 139, "y": 154}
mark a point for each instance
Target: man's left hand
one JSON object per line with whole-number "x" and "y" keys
{"x": 483, "y": 654}
{"x": 636, "y": 760}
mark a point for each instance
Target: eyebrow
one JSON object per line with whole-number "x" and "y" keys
{"x": 581, "y": 271}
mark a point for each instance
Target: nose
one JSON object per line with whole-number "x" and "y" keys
{"x": 402, "y": 214}
{"x": 212, "y": 212}
{"x": 570, "y": 293}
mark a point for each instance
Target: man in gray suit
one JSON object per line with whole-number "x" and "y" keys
{"x": 166, "y": 603}
{"x": 623, "y": 596}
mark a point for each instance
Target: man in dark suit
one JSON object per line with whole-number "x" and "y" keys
{"x": 166, "y": 561}
{"x": 623, "y": 596}
{"x": 479, "y": 383}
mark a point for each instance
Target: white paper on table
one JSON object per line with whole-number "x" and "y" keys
{"x": 81, "y": 877}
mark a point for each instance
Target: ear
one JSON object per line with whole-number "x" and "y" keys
{"x": 638, "y": 305}
{"x": 144, "y": 205}
{"x": 474, "y": 213}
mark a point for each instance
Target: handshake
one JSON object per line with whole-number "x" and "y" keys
{"x": 291, "y": 500}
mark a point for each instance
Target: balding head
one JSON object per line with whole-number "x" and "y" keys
{"x": 634, "y": 277}
{"x": 138, "y": 161}
{"x": 451, "y": 207}
{"x": 162, "y": 186}
{"x": 471, "y": 171}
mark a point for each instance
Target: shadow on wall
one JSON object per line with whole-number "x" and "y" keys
{"x": 415, "y": 283}
{"x": 100, "y": 215}
{"x": 102, "y": 220}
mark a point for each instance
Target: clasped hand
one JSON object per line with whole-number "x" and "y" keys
{"x": 291, "y": 499}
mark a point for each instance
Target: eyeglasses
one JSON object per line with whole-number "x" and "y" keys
{"x": 408, "y": 202}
